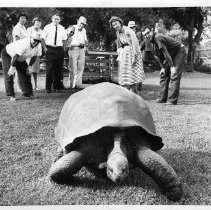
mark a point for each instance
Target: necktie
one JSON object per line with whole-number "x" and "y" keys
{"x": 55, "y": 36}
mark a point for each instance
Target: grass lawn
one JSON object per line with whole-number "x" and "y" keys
{"x": 28, "y": 147}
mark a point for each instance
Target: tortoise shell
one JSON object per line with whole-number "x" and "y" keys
{"x": 100, "y": 106}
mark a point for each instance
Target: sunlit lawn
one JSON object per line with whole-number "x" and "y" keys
{"x": 28, "y": 147}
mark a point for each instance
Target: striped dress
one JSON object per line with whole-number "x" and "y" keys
{"x": 129, "y": 74}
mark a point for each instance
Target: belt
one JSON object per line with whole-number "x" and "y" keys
{"x": 75, "y": 47}
{"x": 52, "y": 46}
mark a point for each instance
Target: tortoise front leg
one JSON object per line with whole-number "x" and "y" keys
{"x": 161, "y": 172}
{"x": 62, "y": 170}
{"x": 59, "y": 153}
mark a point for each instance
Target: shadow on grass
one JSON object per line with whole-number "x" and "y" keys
{"x": 192, "y": 167}
{"x": 194, "y": 102}
{"x": 185, "y": 162}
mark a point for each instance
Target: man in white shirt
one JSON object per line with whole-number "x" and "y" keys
{"x": 54, "y": 38}
{"x": 19, "y": 31}
{"x": 14, "y": 57}
{"x": 77, "y": 53}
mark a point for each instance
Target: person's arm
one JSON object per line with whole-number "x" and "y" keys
{"x": 32, "y": 60}
{"x": 169, "y": 60}
{"x": 14, "y": 60}
{"x": 12, "y": 69}
{"x": 157, "y": 59}
{"x": 16, "y": 33}
{"x": 142, "y": 45}
{"x": 134, "y": 40}
{"x": 167, "y": 56}
{"x": 162, "y": 71}
{"x": 43, "y": 37}
{"x": 44, "y": 45}
{"x": 64, "y": 44}
{"x": 16, "y": 37}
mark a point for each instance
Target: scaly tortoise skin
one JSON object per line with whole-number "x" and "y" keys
{"x": 106, "y": 128}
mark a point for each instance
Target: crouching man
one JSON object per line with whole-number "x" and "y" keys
{"x": 171, "y": 56}
{"x": 14, "y": 57}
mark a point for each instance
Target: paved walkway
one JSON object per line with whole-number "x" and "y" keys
{"x": 190, "y": 81}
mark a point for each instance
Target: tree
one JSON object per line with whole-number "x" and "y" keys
{"x": 190, "y": 19}
{"x": 98, "y": 20}
{"x": 9, "y": 18}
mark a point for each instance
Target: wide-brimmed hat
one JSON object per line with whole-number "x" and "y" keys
{"x": 131, "y": 24}
{"x": 146, "y": 31}
{"x": 36, "y": 37}
{"x": 82, "y": 20}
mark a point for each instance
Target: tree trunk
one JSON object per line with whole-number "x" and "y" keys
{"x": 190, "y": 44}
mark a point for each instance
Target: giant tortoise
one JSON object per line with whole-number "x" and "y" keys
{"x": 107, "y": 128}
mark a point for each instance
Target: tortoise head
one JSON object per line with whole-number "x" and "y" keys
{"x": 117, "y": 162}
{"x": 117, "y": 166}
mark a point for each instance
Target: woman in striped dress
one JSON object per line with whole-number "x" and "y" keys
{"x": 130, "y": 68}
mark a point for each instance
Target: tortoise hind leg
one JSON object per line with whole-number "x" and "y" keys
{"x": 62, "y": 170}
{"x": 161, "y": 172}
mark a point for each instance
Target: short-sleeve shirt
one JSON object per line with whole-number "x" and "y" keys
{"x": 49, "y": 33}
{"x": 19, "y": 30}
{"x": 31, "y": 31}
{"x": 161, "y": 40}
{"x": 79, "y": 36}
{"x": 23, "y": 48}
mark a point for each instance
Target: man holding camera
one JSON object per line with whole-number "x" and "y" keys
{"x": 77, "y": 53}
{"x": 171, "y": 56}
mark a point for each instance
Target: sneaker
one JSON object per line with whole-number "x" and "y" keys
{"x": 160, "y": 101}
{"x": 171, "y": 103}
{"x": 12, "y": 98}
{"x": 29, "y": 96}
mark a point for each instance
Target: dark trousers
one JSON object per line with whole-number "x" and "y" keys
{"x": 54, "y": 68}
{"x": 165, "y": 79}
{"x": 24, "y": 79}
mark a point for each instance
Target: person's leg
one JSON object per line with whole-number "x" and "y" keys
{"x": 49, "y": 69}
{"x": 8, "y": 80}
{"x": 58, "y": 70}
{"x": 34, "y": 75}
{"x": 179, "y": 62}
{"x": 80, "y": 69}
{"x": 24, "y": 78}
{"x": 73, "y": 63}
{"x": 164, "y": 85}
{"x": 35, "y": 70}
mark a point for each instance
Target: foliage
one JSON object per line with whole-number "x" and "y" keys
{"x": 98, "y": 20}
{"x": 190, "y": 19}
{"x": 177, "y": 33}
{"x": 28, "y": 147}
{"x": 9, "y": 18}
